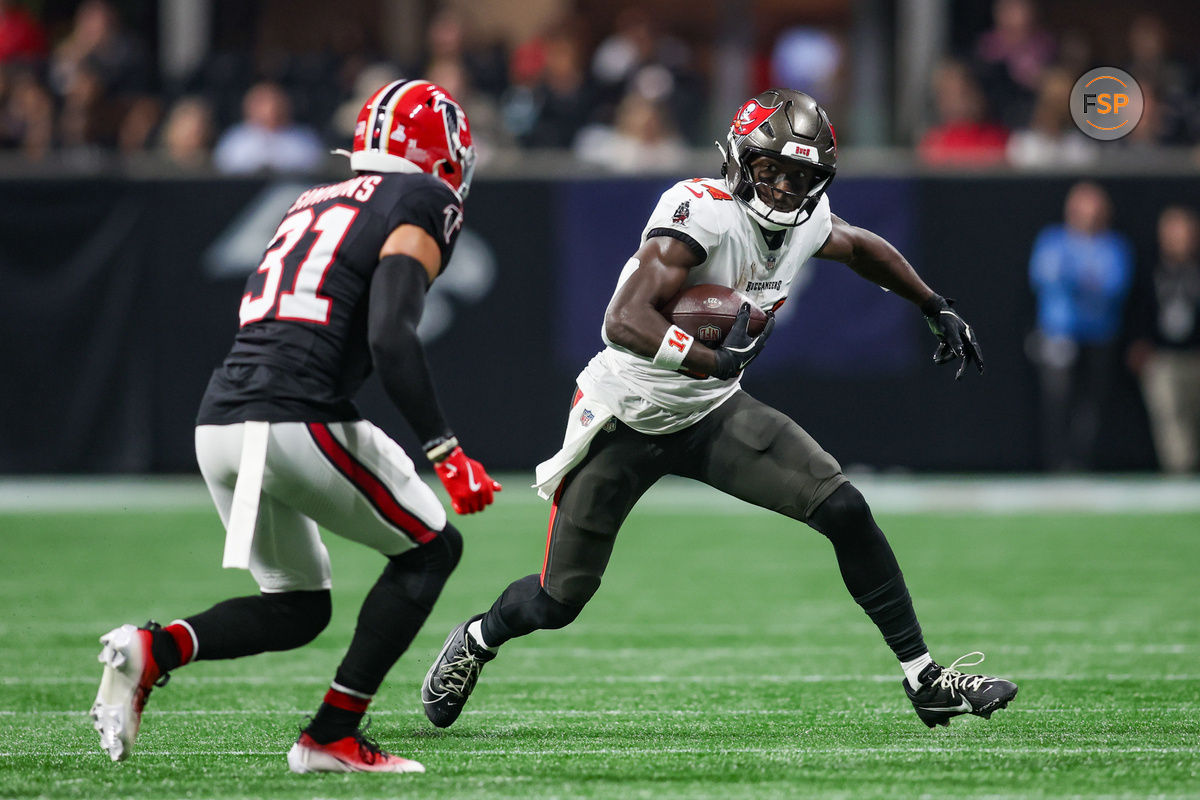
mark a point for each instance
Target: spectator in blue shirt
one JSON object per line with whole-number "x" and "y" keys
{"x": 267, "y": 139}
{"x": 1080, "y": 272}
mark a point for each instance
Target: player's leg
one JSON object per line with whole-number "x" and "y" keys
{"x": 291, "y": 567}
{"x": 756, "y": 453}
{"x": 287, "y": 560}
{"x": 369, "y": 493}
{"x": 589, "y": 507}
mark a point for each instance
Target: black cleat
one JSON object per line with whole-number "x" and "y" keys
{"x": 452, "y": 676}
{"x": 944, "y": 692}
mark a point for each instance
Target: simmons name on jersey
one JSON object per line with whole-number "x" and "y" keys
{"x": 301, "y": 350}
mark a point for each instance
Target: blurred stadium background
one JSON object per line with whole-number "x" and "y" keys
{"x": 149, "y": 146}
{"x": 148, "y": 149}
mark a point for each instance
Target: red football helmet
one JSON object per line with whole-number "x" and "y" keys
{"x": 415, "y": 126}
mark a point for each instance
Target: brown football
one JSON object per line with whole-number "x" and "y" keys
{"x": 707, "y": 311}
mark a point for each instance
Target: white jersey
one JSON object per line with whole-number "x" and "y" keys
{"x": 732, "y": 252}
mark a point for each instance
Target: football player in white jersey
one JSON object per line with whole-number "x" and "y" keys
{"x": 640, "y": 412}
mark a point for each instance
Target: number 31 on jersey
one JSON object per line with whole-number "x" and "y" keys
{"x": 303, "y": 302}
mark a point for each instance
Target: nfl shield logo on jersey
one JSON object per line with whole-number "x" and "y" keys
{"x": 770, "y": 263}
{"x": 586, "y": 417}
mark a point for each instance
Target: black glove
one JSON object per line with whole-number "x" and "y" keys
{"x": 956, "y": 339}
{"x": 739, "y": 347}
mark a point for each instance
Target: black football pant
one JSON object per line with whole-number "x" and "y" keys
{"x": 744, "y": 448}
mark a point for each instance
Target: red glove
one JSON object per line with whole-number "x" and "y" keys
{"x": 468, "y": 484}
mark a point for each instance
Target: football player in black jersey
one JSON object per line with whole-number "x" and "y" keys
{"x": 282, "y": 448}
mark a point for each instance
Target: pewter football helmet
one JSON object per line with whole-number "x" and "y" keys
{"x": 790, "y": 128}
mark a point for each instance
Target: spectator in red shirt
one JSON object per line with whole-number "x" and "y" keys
{"x": 21, "y": 36}
{"x": 962, "y": 135}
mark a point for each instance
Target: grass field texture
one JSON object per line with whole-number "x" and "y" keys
{"x": 721, "y": 658}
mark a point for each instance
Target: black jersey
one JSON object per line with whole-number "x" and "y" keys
{"x": 301, "y": 352}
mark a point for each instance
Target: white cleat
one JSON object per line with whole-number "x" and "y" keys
{"x": 354, "y": 753}
{"x": 130, "y": 673}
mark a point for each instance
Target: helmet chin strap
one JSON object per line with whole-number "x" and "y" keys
{"x": 762, "y": 212}
{"x": 762, "y": 222}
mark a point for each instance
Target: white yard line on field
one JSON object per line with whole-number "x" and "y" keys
{"x": 939, "y": 747}
{"x": 713, "y": 713}
{"x": 290, "y": 680}
{"x": 758, "y": 628}
{"x": 992, "y": 494}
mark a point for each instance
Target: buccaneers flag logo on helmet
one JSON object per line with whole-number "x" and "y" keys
{"x": 750, "y": 116}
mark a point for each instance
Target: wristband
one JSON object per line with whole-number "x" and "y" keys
{"x": 674, "y": 348}
{"x": 436, "y": 450}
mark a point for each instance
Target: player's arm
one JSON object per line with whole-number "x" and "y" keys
{"x": 633, "y": 320}
{"x": 874, "y": 258}
{"x": 408, "y": 263}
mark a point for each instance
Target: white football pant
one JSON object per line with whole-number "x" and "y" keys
{"x": 348, "y": 477}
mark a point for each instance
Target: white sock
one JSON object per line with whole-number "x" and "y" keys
{"x": 475, "y": 631}
{"x": 913, "y": 668}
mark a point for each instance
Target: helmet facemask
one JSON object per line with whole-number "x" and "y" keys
{"x": 774, "y": 206}
{"x": 791, "y": 130}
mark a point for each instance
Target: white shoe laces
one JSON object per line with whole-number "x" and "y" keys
{"x": 459, "y": 676}
{"x": 951, "y": 678}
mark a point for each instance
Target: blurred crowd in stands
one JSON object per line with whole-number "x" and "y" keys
{"x": 95, "y": 91}
{"x": 630, "y": 96}
{"x": 1006, "y": 100}
{"x": 1090, "y": 298}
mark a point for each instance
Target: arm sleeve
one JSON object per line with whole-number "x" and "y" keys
{"x": 397, "y": 299}
{"x": 431, "y": 205}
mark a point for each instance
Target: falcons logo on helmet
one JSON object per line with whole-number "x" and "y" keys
{"x": 453, "y": 116}
{"x": 411, "y": 125}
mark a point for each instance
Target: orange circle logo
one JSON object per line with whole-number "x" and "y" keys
{"x": 1106, "y": 103}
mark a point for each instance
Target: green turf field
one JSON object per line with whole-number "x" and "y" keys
{"x": 722, "y": 658}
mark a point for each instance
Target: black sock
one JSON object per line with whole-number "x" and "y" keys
{"x": 165, "y": 650}
{"x": 395, "y": 609}
{"x": 890, "y": 607}
{"x": 244, "y": 626}
{"x": 869, "y": 569}
{"x": 522, "y": 608}
{"x": 338, "y": 717}
{"x": 514, "y": 612}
